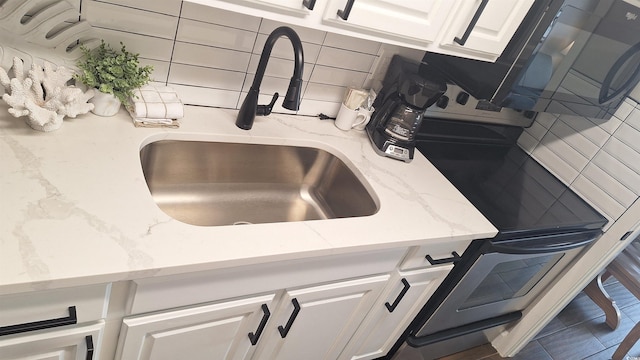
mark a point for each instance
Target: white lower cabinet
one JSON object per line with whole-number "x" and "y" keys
{"x": 327, "y": 318}
{"x": 401, "y": 301}
{"x": 79, "y": 342}
{"x": 212, "y": 331}
{"x": 321, "y": 323}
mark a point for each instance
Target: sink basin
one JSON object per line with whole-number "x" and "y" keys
{"x": 216, "y": 183}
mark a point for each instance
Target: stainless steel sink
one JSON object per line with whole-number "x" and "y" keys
{"x": 216, "y": 183}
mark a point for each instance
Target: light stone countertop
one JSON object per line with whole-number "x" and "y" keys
{"x": 75, "y": 208}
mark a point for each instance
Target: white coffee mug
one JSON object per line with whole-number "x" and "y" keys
{"x": 348, "y": 119}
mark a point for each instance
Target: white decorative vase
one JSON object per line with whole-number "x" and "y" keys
{"x": 104, "y": 104}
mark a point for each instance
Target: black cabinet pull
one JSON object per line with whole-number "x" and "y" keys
{"x": 296, "y": 309}
{"x": 404, "y": 290}
{"x": 472, "y": 24}
{"x": 454, "y": 259}
{"x": 344, "y": 14}
{"x": 309, "y": 4}
{"x": 626, "y": 235}
{"x": 254, "y": 337}
{"x": 89, "y": 341}
{"x": 43, "y": 324}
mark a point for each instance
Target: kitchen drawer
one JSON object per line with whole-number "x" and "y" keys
{"x": 23, "y": 308}
{"x": 166, "y": 292}
{"x": 416, "y": 258}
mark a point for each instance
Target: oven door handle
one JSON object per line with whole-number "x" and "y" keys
{"x": 547, "y": 243}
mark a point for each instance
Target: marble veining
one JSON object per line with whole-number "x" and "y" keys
{"x": 76, "y": 209}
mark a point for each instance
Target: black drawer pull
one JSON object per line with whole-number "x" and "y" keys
{"x": 472, "y": 24}
{"x": 296, "y": 309}
{"x": 344, "y": 14}
{"x": 309, "y": 4}
{"x": 89, "y": 341}
{"x": 254, "y": 337}
{"x": 404, "y": 290}
{"x": 454, "y": 259}
{"x": 39, "y": 325}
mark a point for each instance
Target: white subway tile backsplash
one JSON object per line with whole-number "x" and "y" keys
{"x": 634, "y": 118}
{"x": 623, "y": 195}
{"x": 335, "y": 76}
{"x": 282, "y": 68}
{"x": 225, "y": 37}
{"x": 315, "y": 107}
{"x": 527, "y": 142}
{"x": 537, "y": 131}
{"x": 555, "y": 164}
{"x": 116, "y": 17}
{"x": 192, "y": 95}
{"x": 587, "y": 128}
{"x": 147, "y": 46}
{"x": 546, "y": 119}
{"x": 169, "y": 7}
{"x": 597, "y": 197}
{"x": 220, "y": 17}
{"x": 574, "y": 139}
{"x": 629, "y": 135}
{"x": 324, "y": 92}
{"x": 269, "y": 85}
{"x": 306, "y": 34}
{"x": 160, "y": 72}
{"x": 610, "y": 180}
{"x": 283, "y": 49}
{"x": 202, "y": 55}
{"x": 624, "y": 153}
{"x": 564, "y": 151}
{"x": 206, "y": 77}
{"x": 618, "y": 170}
{"x": 353, "y": 44}
{"x": 216, "y": 52}
{"x": 346, "y": 59}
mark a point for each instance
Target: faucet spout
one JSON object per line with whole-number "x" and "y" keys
{"x": 250, "y": 107}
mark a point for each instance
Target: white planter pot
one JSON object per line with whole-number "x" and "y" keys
{"x": 104, "y": 104}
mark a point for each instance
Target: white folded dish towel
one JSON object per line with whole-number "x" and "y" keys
{"x": 155, "y": 106}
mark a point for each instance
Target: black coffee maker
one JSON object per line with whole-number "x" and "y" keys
{"x": 400, "y": 106}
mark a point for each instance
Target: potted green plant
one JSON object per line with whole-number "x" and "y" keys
{"x": 115, "y": 74}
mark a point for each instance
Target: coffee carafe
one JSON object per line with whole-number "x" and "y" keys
{"x": 400, "y": 107}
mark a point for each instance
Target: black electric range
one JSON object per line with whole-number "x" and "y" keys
{"x": 542, "y": 225}
{"x": 512, "y": 190}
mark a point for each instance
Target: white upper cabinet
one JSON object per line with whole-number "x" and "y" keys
{"x": 430, "y": 25}
{"x": 496, "y": 24}
{"x": 416, "y": 22}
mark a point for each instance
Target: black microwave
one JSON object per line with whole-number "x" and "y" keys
{"x": 578, "y": 57}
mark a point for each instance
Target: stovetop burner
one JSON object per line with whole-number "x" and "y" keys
{"x": 511, "y": 189}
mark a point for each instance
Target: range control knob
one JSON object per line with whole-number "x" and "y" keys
{"x": 443, "y": 102}
{"x": 462, "y": 98}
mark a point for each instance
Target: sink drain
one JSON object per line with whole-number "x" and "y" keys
{"x": 242, "y": 223}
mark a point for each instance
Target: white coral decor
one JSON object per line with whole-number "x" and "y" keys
{"x": 43, "y": 95}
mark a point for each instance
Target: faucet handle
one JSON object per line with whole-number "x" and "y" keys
{"x": 264, "y": 110}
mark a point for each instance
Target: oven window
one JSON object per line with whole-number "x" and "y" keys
{"x": 511, "y": 279}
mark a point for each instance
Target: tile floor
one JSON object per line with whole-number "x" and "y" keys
{"x": 577, "y": 333}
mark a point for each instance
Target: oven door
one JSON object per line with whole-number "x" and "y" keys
{"x": 502, "y": 280}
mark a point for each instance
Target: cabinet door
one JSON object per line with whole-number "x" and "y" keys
{"x": 257, "y": 7}
{"x": 417, "y": 22}
{"x": 394, "y": 310}
{"x": 72, "y": 343}
{"x": 214, "y": 331}
{"x": 328, "y": 317}
{"x": 495, "y": 27}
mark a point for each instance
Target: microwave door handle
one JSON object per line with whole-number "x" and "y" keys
{"x": 604, "y": 97}
{"x": 472, "y": 24}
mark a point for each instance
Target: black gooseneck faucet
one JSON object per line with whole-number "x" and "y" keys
{"x": 250, "y": 107}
